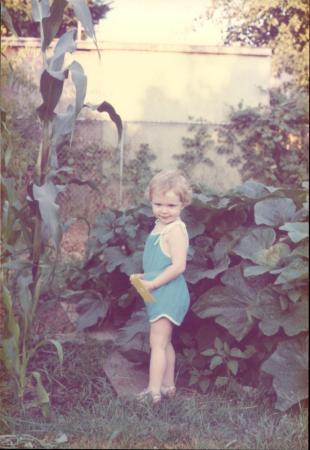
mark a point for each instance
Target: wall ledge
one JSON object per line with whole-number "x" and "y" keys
{"x": 88, "y": 45}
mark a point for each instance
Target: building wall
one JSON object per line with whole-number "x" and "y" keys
{"x": 162, "y": 83}
{"x": 157, "y": 88}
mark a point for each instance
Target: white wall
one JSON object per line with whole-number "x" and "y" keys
{"x": 156, "y": 87}
{"x": 169, "y": 83}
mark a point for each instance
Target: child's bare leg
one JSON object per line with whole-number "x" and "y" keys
{"x": 168, "y": 378}
{"x": 160, "y": 337}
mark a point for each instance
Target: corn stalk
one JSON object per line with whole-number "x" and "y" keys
{"x": 35, "y": 226}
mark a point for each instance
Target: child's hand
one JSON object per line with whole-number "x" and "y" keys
{"x": 149, "y": 285}
{"x": 139, "y": 275}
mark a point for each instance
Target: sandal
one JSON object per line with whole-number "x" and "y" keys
{"x": 147, "y": 394}
{"x": 168, "y": 391}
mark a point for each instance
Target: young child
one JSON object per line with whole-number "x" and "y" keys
{"x": 164, "y": 261}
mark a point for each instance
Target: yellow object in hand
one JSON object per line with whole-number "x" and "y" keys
{"x": 135, "y": 280}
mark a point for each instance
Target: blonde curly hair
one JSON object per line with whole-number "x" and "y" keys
{"x": 171, "y": 180}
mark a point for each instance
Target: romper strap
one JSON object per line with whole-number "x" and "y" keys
{"x": 168, "y": 228}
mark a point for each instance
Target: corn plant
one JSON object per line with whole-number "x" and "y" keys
{"x": 31, "y": 229}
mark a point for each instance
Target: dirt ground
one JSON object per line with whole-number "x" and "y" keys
{"x": 74, "y": 240}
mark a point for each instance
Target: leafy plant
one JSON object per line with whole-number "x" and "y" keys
{"x": 265, "y": 143}
{"x": 270, "y": 294}
{"x": 196, "y": 147}
{"x": 222, "y": 354}
{"x": 137, "y": 173}
{"x": 114, "y": 251}
{"x": 247, "y": 274}
{"x": 20, "y": 15}
{"x": 281, "y": 26}
{"x": 32, "y": 231}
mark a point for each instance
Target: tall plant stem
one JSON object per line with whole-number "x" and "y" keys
{"x": 42, "y": 166}
{"x": 44, "y": 152}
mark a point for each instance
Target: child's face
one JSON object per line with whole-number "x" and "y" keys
{"x": 166, "y": 206}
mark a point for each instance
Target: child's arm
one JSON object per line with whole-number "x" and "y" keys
{"x": 177, "y": 244}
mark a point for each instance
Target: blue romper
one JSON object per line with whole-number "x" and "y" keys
{"x": 172, "y": 298}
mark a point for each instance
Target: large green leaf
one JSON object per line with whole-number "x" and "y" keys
{"x": 63, "y": 123}
{"x": 25, "y": 297}
{"x": 116, "y": 257}
{"x": 133, "y": 263}
{"x": 208, "y": 264}
{"x": 289, "y": 367}
{"x": 196, "y": 272}
{"x": 10, "y": 345}
{"x": 257, "y": 240}
{"x": 274, "y": 211}
{"x": 230, "y": 304}
{"x": 62, "y": 128}
{"x": 51, "y": 89}
{"x": 257, "y": 246}
{"x": 46, "y": 196}
{"x": 40, "y": 9}
{"x": 103, "y": 230}
{"x": 80, "y": 82}
{"x": 66, "y": 43}
{"x": 138, "y": 324}
{"x": 82, "y": 13}
{"x": 91, "y": 309}
{"x": 52, "y": 79}
{"x": 45, "y": 342}
{"x": 252, "y": 189}
{"x": 52, "y": 23}
{"x": 12, "y": 326}
{"x": 108, "y": 108}
{"x": 11, "y": 355}
{"x": 132, "y": 339}
{"x": 195, "y": 227}
{"x": 268, "y": 309}
{"x": 296, "y": 270}
{"x": 297, "y": 231}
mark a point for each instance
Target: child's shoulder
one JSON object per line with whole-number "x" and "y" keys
{"x": 176, "y": 228}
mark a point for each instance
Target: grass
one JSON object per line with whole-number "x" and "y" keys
{"x": 86, "y": 413}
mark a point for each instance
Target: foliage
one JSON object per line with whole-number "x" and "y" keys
{"x": 114, "y": 251}
{"x": 196, "y": 147}
{"x": 20, "y": 297}
{"x": 17, "y": 81}
{"x": 279, "y": 24}
{"x": 31, "y": 230}
{"x": 266, "y": 143}
{"x": 137, "y": 173}
{"x": 247, "y": 273}
{"x": 20, "y": 14}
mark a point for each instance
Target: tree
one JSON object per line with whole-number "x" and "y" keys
{"x": 281, "y": 25}
{"x": 20, "y": 13}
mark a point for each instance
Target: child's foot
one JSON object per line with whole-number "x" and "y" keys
{"x": 168, "y": 391}
{"x": 147, "y": 394}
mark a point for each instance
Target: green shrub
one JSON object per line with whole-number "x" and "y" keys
{"x": 267, "y": 143}
{"x": 247, "y": 273}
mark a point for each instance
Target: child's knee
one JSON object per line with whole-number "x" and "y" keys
{"x": 159, "y": 342}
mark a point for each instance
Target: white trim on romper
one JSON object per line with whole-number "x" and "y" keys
{"x": 168, "y": 317}
{"x": 167, "y": 229}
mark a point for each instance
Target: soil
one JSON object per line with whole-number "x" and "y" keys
{"x": 62, "y": 318}
{"x": 73, "y": 241}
